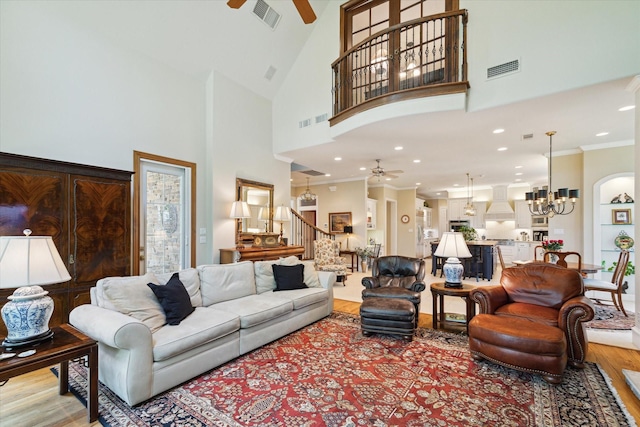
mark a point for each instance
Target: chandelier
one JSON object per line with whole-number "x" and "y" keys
{"x": 307, "y": 196}
{"x": 545, "y": 201}
{"x": 469, "y": 209}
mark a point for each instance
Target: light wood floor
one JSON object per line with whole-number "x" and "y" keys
{"x": 33, "y": 400}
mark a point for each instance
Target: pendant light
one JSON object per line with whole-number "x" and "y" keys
{"x": 469, "y": 209}
{"x": 307, "y": 196}
{"x": 545, "y": 201}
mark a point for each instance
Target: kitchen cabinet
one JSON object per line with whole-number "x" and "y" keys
{"x": 508, "y": 253}
{"x": 372, "y": 206}
{"x": 523, "y": 215}
{"x": 456, "y": 209}
{"x": 428, "y": 218}
{"x": 478, "y": 221}
{"x": 85, "y": 209}
{"x": 524, "y": 250}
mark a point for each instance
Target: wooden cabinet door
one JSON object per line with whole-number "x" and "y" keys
{"x": 36, "y": 200}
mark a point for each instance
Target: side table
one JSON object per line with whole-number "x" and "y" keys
{"x": 439, "y": 291}
{"x": 354, "y": 267}
{"x": 67, "y": 343}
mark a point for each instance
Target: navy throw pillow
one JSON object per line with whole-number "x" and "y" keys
{"x": 174, "y": 299}
{"x": 288, "y": 277}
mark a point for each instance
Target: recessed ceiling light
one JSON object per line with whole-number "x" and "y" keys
{"x": 388, "y": 179}
{"x": 627, "y": 108}
{"x": 416, "y": 161}
{"x": 518, "y": 180}
{"x": 437, "y": 194}
{"x": 519, "y": 167}
{"x": 398, "y": 148}
{"x": 518, "y": 173}
{"x": 363, "y": 169}
{"x": 456, "y": 185}
{"x": 502, "y": 149}
{"x": 337, "y": 158}
{"x": 498, "y": 130}
{"x": 418, "y": 183}
{"x": 327, "y": 174}
{"x": 602, "y": 133}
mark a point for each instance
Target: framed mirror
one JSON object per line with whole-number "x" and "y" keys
{"x": 259, "y": 197}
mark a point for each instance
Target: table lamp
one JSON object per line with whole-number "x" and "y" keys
{"x": 348, "y": 229}
{"x": 283, "y": 214}
{"x": 453, "y": 247}
{"x": 28, "y": 263}
{"x": 239, "y": 211}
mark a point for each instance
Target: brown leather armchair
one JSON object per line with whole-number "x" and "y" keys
{"x": 532, "y": 321}
{"x": 396, "y": 277}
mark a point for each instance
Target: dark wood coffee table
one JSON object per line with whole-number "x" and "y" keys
{"x": 67, "y": 343}
{"x": 438, "y": 292}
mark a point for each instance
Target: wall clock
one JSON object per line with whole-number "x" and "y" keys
{"x": 404, "y": 219}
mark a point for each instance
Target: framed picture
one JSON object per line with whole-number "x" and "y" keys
{"x": 338, "y": 220}
{"x": 621, "y": 216}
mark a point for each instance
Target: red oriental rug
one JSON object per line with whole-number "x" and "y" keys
{"x": 329, "y": 374}
{"x": 607, "y": 317}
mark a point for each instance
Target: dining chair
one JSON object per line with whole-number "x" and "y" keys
{"x": 538, "y": 251}
{"x": 615, "y": 286}
{"x": 562, "y": 259}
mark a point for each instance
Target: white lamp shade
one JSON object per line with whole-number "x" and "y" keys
{"x": 30, "y": 261}
{"x": 263, "y": 214}
{"x": 452, "y": 245}
{"x": 283, "y": 214}
{"x": 240, "y": 210}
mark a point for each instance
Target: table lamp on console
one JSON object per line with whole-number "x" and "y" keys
{"x": 28, "y": 263}
{"x": 239, "y": 211}
{"x": 453, "y": 247}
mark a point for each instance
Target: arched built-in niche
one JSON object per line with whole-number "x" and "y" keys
{"x": 604, "y": 229}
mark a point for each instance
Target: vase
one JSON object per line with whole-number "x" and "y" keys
{"x": 363, "y": 264}
{"x": 553, "y": 258}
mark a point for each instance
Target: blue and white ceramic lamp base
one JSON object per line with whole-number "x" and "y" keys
{"x": 27, "y": 316}
{"x": 453, "y": 272}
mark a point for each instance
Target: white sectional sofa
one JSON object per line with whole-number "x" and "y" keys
{"x": 237, "y": 309}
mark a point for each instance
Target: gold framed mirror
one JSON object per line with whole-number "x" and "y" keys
{"x": 259, "y": 197}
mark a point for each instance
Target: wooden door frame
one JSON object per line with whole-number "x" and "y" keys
{"x": 139, "y": 156}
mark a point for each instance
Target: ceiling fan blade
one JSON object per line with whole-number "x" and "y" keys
{"x": 305, "y": 10}
{"x": 235, "y": 4}
{"x": 396, "y": 171}
{"x": 388, "y": 175}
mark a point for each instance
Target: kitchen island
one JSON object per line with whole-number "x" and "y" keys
{"x": 481, "y": 264}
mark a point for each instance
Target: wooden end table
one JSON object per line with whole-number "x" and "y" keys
{"x": 439, "y": 291}
{"x": 67, "y": 343}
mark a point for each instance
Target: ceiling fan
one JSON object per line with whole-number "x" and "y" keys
{"x": 304, "y": 9}
{"x": 379, "y": 172}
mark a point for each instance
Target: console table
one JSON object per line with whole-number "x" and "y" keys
{"x": 228, "y": 256}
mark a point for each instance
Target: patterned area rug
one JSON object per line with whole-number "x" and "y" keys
{"x": 328, "y": 374}
{"x": 607, "y": 317}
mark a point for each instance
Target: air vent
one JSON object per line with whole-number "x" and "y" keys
{"x": 322, "y": 118}
{"x": 266, "y": 14}
{"x": 527, "y": 136}
{"x": 312, "y": 173}
{"x": 270, "y": 72}
{"x": 503, "y": 69}
{"x": 304, "y": 123}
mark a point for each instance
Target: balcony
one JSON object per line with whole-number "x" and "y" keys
{"x": 415, "y": 59}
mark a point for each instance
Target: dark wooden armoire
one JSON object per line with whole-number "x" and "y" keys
{"x": 87, "y": 211}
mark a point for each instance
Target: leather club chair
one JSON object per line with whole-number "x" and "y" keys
{"x": 533, "y": 321}
{"x": 396, "y": 277}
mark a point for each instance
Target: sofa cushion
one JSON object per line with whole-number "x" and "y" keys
{"x": 191, "y": 281}
{"x": 289, "y": 277}
{"x": 174, "y": 299}
{"x": 537, "y": 313}
{"x": 224, "y": 282}
{"x": 302, "y": 297}
{"x": 265, "y": 281}
{"x": 256, "y": 309}
{"x": 131, "y": 296}
{"x": 202, "y": 326}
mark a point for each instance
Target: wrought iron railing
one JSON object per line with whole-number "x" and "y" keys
{"x": 423, "y": 57}
{"x": 303, "y": 233}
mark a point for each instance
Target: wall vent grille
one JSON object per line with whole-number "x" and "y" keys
{"x": 304, "y": 123}
{"x": 322, "y": 118}
{"x": 312, "y": 172}
{"x": 527, "y": 136}
{"x": 266, "y": 14}
{"x": 503, "y": 69}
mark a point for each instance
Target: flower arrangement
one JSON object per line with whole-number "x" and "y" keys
{"x": 364, "y": 253}
{"x": 552, "y": 245}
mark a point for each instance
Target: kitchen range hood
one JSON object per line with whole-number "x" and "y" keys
{"x": 500, "y": 209}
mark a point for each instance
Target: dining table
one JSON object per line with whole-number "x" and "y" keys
{"x": 584, "y": 269}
